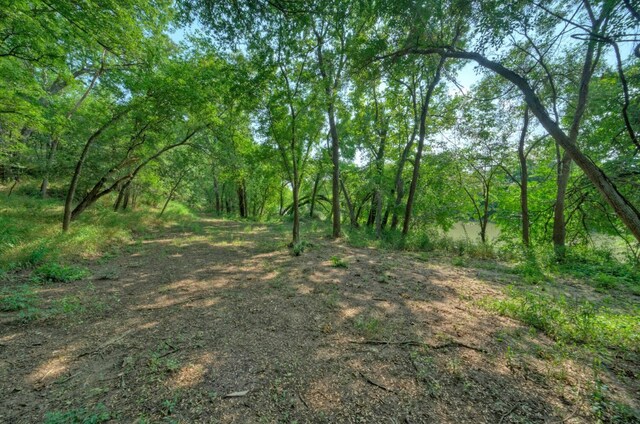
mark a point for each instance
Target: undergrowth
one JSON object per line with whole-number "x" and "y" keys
{"x": 30, "y": 231}
{"x": 571, "y": 320}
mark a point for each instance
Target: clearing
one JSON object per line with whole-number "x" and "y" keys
{"x": 185, "y": 317}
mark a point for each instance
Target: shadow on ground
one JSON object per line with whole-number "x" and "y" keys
{"x": 188, "y": 317}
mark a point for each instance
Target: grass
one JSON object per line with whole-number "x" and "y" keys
{"x": 30, "y": 231}
{"x": 55, "y": 273}
{"x": 95, "y": 415}
{"x": 571, "y": 320}
{"x": 18, "y": 299}
{"x": 33, "y": 250}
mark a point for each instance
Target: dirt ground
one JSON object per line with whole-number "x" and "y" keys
{"x": 184, "y": 318}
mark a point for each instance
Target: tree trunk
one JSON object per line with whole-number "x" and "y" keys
{"x": 66, "y": 220}
{"x": 559, "y": 223}
{"x": 116, "y": 205}
{"x": 241, "y": 205}
{"x": 416, "y": 166}
{"x": 173, "y": 189}
{"x": 524, "y": 181}
{"x": 134, "y": 197}
{"x": 330, "y": 86}
{"x": 245, "y": 199}
{"x": 380, "y": 177}
{"x": 484, "y": 219}
{"x": 335, "y": 183}
{"x": 296, "y": 208}
{"x": 313, "y": 194}
{"x": 15, "y": 182}
{"x": 127, "y": 195}
{"x": 352, "y": 216}
{"x": 216, "y": 191}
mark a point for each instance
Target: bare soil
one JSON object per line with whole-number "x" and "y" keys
{"x": 185, "y": 317}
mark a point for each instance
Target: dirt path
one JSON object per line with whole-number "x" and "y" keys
{"x": 169, "y": 329}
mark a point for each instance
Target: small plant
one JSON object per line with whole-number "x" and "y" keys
{"x": 18, "y": 299}
{"x": 56, "y": 273}
{"x": 169, "y": 405}
{"x": 98, "y": 414}
{"x": 530, "y": 271}
{"x": 569, "y": 320}
{"x": 338, "y": 262}
{"x": 298, "y": 248}
{"x": 368, "y": 327}
{"x": 68, "y": 305}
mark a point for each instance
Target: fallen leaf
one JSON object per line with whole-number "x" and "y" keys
{"x": 237, "y": 394}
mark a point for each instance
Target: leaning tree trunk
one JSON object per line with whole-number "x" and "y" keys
{"x": 68, "y": 203}
{"x": 623, "y": 208}
{"x": 173, "y": 190}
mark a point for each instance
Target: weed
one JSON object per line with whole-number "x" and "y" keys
{"x": 95, "y": 415}
{"x": 338, "y": 262}
{"x": 369, "y": 327}
{"x": 159, "y": 362}
{"x": 56, "y": 273}
{"x": 530, "y": 271}
{"x": 19, "y": 299}
{"x": 67, "y": 305}
{"x": 298, "y": 248}
{"x": 169, "y": 405}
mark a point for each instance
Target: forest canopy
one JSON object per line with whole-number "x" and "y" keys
{"x": 402, "y": 116}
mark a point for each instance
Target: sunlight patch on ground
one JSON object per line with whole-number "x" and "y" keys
{"x": 189, "y": 376}
{"x": 50, "y": 370}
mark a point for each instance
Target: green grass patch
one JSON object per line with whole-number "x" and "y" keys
{"x": 96, "y": 415}
{"x": 55, "y": 273}
{"x": 31, "y": 234}
{"x": 572, "y": 321}
{"x": 18, "y": 299}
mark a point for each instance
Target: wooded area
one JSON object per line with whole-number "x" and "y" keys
{"x": 358, "y": 136}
